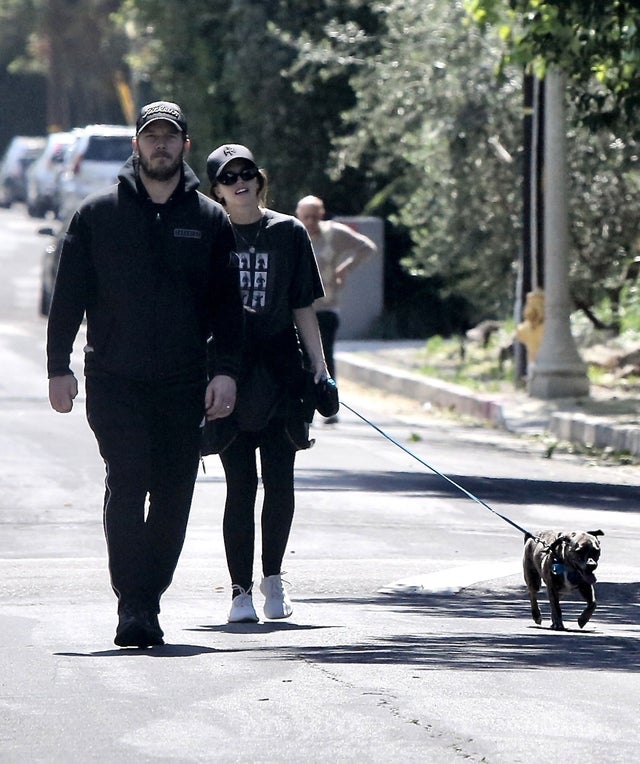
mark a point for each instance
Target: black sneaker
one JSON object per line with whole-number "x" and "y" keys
{"x": 154, "y": 632}
{"x": 137, "y": 628}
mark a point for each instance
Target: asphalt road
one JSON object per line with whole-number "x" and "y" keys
{"x": 410, "y": 639}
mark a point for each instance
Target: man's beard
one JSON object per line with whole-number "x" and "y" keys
{"x": 161, "y": 173}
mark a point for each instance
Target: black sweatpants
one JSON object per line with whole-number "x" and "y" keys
{"x": 149, "y": 437}
{"x": 277, "y": 456}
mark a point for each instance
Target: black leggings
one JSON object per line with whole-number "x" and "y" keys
{"x": 328, "y": 323}
{"x": 277, "y": 456}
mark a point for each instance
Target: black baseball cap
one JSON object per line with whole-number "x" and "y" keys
{"x": 220, "y": 158}
{"x": 166, "y": 110}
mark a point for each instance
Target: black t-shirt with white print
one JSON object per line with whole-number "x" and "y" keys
{"x": 278, "y": 274}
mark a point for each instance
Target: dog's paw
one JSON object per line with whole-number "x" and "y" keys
{"x": 558, "y": 626}
{"x": 582, "y": 622}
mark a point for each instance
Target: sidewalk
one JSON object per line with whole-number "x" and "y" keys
{"x": 605, "y": 420}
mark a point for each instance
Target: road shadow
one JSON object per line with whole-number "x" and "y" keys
{"x": 267, "y": 627}
{"x": 157, "y": 651}
{"x": 617, "y": 603}
{"x": 186, "y": 651}
{"x": 450, "y": 646}
{"x": 595, "y": 496}
{"x": 532, "y": 647}
{"x": 538, "y": 649}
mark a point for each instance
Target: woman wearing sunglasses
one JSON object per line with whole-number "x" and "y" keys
{"x": 279, "y": 280}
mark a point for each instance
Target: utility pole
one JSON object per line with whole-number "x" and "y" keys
{"x": 531, "y": 266}
{"x": 558, "y": 371}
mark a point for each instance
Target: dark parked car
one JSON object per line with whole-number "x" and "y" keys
{"x": 20, "y": 153}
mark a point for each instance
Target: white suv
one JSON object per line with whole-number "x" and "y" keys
{"x": 93, "y": 162}
{"x": 21, "y": 152}
{"x": 43, "y": 176}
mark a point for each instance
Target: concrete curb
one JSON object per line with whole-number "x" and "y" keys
{"x": 421, "y": 388}
{"x": 574, "y": 427}
{"x": 595, "y": 433}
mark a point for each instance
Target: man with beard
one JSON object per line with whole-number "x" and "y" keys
{"x": 149, "y": 263}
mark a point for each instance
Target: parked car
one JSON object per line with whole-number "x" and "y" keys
{"x": 43, "y": 176}
{"x": 50, "y": 262}
{"x": 20, "y": 153}
{"x": 92, "y": 163}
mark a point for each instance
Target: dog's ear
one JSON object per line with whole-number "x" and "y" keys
{"x": 596, "y": 533}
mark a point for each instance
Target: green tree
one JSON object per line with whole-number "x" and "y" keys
{"x": 604, "y": 232}
{"x": 76, "y": 47}
{"x": 437, "y": 120}
{"x": 177, "y": 53}
{"x": 595, "y": 42}
{"x": 441, "y": 137}
{"x": 227, "y": 65}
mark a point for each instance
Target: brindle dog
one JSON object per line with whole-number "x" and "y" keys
{"x": 565, "y": 561}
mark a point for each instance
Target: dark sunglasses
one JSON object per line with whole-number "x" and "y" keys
{"x": 228, "y": 178}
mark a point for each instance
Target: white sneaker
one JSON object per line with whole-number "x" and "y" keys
{"x": 242, "y": 610}
{"x": 277, "y": 603}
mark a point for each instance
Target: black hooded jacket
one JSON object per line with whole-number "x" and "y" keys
{"x": 154, "y": 282}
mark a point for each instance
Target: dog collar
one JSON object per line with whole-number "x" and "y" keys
{"x": 573, "y": 576}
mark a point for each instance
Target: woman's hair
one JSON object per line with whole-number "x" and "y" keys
{"x": 263, "y": 188}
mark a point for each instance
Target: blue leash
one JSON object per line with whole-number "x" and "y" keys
{"x": 470, "y": 495}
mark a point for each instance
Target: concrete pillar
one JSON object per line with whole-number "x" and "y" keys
{"x": 558, "y": 371}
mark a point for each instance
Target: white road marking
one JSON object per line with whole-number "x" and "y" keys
{"x": 453, "y": 580}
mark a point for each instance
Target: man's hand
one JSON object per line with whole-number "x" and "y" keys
{"x": 62, "y": 391}
{"x": 220, "y": 397}
{"x": 341, "y": 272}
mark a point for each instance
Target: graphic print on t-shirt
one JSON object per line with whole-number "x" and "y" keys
{"x": 254, "y": 273}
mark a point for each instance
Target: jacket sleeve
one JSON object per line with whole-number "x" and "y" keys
{"x": 69, "y": 300}
{"x": 227, "y": 311}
